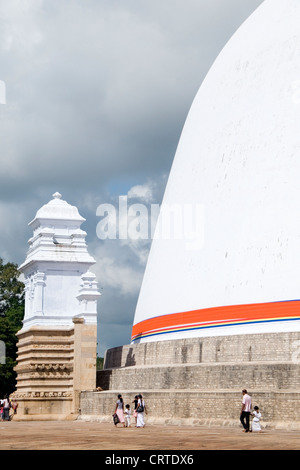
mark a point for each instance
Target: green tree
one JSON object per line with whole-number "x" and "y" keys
{"x": 11, "y": 316}
{"x": 100, "y": 361}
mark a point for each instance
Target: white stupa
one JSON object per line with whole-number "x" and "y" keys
{"x": 238, "y": 157}
{"x": 58, "y": 283}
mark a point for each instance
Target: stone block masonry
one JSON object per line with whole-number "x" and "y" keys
{"x": 269, "y": 347}
{"x": 225, "y": 376}
{"x": 54, "y": 366}
{"x": 197, "y": 407}
{"x": 199, "y": 381}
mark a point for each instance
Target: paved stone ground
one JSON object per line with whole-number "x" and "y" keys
{"x": 81, "y": 435}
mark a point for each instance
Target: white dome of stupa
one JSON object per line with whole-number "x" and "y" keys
{"x": 239, "y": 160}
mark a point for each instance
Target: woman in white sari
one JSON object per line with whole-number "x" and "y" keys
{"x": 141, "y": 409}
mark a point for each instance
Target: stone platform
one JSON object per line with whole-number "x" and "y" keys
{"x": 199, "y": 381}
{"x": 79, "y": 435}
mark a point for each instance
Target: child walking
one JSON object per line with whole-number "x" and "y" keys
{"x": 127, "y": 416}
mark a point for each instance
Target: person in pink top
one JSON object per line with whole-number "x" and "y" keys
{"x": 120, "y": 410}
{"x": 245, "y": 411}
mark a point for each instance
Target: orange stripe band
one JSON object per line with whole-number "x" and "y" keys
{"x": 216, "y": 317}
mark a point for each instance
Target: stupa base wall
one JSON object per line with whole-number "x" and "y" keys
{"x": 281, "y": 347}
{"x": 199, "y": 381}
{"x": 196, "y": 407}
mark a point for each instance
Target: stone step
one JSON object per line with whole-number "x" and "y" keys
{"x": 198, "y": 364}
{"x": 263, "y": 375}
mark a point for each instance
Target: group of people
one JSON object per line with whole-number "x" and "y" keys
{"x": 6, "y": 405}
{"x": 246, "y": 413}
{"x": 123, "y": 414}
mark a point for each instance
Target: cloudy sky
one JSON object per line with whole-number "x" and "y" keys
{"x": 97, "y": 93}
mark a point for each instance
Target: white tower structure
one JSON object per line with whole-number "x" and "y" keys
{"x": 239, "y": 159}
{"x": 57, "y": 345}
{"x": 58, "y": 284}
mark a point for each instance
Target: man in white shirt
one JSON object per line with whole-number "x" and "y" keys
{"x": 245, "y": 411}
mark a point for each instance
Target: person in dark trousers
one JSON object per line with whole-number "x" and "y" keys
{"x": 245, "y": 411}
{"x": 135, "y": 401}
